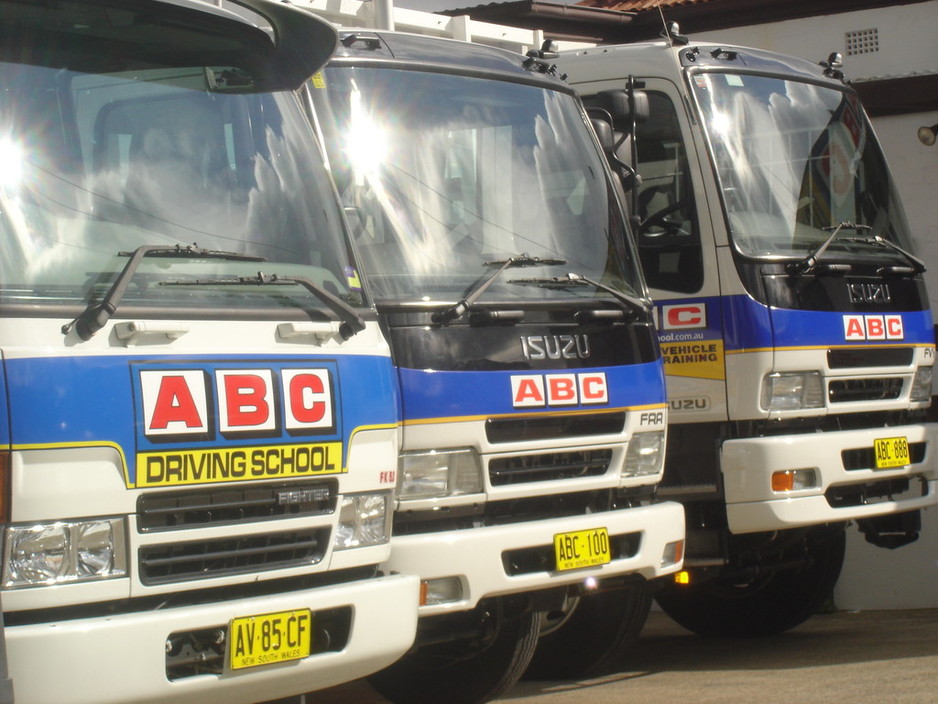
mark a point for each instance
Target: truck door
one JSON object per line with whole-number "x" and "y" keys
{"x": 676, "y": 244}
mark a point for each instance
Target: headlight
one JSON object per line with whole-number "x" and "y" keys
{"x": 438, "y": 473}
{"x": 645, "y": 454}
{"x": 792, "y": 391}
{"x": 921, "y": 384}
{"x": 364, "y": 519}
{"x": 64, "y": 552}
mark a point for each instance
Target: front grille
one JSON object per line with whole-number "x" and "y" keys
{"x": 552, "y": 427}
{"x": 509, "y": 511}
{"x": 226, "y": 505}
{"x": 202, "y": 559}
{"x": 543, "y": 559}
{"x": 847, "y": 358}
{"x": 849, "y": 390}
{"x": 553, "y": 465}
{"x": 864, "y": 457}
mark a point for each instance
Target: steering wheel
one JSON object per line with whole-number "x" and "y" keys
{"x": 660, "y": 219}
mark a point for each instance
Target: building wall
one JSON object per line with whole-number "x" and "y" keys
{"x": 875, "y": 578}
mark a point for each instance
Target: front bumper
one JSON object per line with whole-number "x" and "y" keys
{"x": 481, "y": 557}
{"x": 840, "y": 493}
{"x": 121, "y": 659}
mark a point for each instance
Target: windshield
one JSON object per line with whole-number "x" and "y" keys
{"x": 95, "y": 166}
{"x": 446, "y": 178}
{"x": 794, "y": 158}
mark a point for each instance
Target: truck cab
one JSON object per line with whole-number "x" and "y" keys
{"x": 793, "y": 319}
{"x": 493, "y": 239}
{"x": 200, "y": 421}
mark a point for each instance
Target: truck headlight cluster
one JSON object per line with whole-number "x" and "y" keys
{"x": 364, "y": 519}
{"x": 64, "y": 552}
{"x": 645, "y": 455}
{"x": 439, "y": 473}
{"x": 921, "y": 384}
{"x": 792, "y": 391}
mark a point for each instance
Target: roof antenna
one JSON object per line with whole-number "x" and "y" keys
{"x": 671, "y": 31}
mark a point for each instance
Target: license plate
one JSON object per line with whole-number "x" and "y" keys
{"x": 891, "y": 452}
{"x": 582, "y": 548}
{"x": 269, "y": 638}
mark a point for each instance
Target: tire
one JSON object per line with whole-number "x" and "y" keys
{"x": 592, "y": 634}
{"x": 765, "y": 605}
{"x": 465, "y": 671}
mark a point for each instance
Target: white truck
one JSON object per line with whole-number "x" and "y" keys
{"x": 200, "y": 428}
{"x": 794, "y": 323}
{"x": 493, "y": 239}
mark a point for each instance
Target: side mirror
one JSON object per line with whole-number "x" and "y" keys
{"x": 603, "y": 129}
{"x": 616, "y": 103}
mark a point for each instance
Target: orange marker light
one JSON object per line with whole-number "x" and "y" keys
{"x": 424, "y": 588}
{"x": 794, "y": 479}
{"x": 783, "y": 481}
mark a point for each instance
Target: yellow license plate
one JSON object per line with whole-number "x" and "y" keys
{"x": 582, "y": 548}
{"x": 269, "y": 638}
{"x": 891, "y": 452}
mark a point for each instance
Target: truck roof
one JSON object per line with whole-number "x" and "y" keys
{"x": 644, "y": 58}
{"x": 448, "y": 55}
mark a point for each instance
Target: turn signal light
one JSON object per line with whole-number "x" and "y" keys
{"x": 793, "y": 480}
{"x": 442, "y": 590}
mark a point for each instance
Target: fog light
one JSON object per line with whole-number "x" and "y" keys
{"x": 364, "y": 519}
{"x": 790, "y": 391}
{"x": 440, "y": 591}
{"x": 645, "y": 455}
{"x": 794, "y": 479}
{"x": 673, "y": 553}
{"x": 921, "y": 384}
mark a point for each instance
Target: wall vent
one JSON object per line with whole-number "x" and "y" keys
{"x": 862, "y": 41}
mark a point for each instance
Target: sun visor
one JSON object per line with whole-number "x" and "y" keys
{"x": 272, "y": 46}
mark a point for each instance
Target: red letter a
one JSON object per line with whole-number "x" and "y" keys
{"x": 174, "y": 403}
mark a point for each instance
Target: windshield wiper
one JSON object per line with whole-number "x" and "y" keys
{"x": 517, "y": 261}
{"x": 810, "y": 263}
{"x": 95, "y": 316}
{"x": 639, "y": 306}
{"x": 918, "y": 266}
{"x": 352, "y": 322}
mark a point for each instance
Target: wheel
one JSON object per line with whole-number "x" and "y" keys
{"x": 764, "y": 605}
{"x": 467, "y": 671}
{"x": 588, "y": 637}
